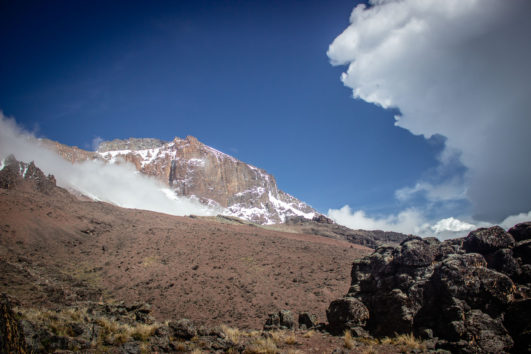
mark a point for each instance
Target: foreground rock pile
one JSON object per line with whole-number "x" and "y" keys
{"x": 465, "y": 295}
{"x": 98, "y": 327}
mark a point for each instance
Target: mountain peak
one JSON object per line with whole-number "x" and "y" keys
{"x": 192, "y": 140}
{"x": 195, "y": 170}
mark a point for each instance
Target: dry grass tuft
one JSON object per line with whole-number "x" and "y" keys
{"x": 349, "y": 342}
{"x": 369, "y": 350}
{"x": 181, "y": 347}
{"x": 409, "y": 341}
{"x": 253, "y": 333}
{"x": 277, "y": 336}
{"x": 143, "y": 332}
{"x": 233, "y": 334}
{"x": 262, "y": 346}
{"x": 309, "y": 334}
{"x": 290, "y": 338}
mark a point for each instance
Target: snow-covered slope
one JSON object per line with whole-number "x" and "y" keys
{"x": 193, "y": 169}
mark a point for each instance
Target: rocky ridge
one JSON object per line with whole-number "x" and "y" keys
{"x": 193, "y": 169}
{"x": 15, "y": 173}
{"x": 466, "y": 295}
{"x": 323, "y": 226}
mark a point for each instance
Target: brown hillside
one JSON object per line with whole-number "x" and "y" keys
{"x": 56, "y": 249}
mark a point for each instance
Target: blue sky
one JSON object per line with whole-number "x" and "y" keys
{"x": 250, "y": 78}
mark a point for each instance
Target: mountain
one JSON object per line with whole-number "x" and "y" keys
{"x": 193, "y": 169}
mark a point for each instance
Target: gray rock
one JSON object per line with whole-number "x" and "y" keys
{"x": 280, "y": 320}
{"x": 286, "y": 319}
{"x": 182, "y": 328}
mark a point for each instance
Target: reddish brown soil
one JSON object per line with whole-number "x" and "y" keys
{"x": 59, "y": 250}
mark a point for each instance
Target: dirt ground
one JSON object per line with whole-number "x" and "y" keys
{"x": 57, "y": 250}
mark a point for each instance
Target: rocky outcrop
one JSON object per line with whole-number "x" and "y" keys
{"x": 11, "y": 334}
{"x": 20, "y": 174}
{"x": 280, "y": 320}
{"x": 469, "y": 295}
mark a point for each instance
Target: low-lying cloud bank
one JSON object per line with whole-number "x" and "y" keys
{"x": 412, "y": 221}
{"x": 457, "y": 68}
{"x": 120, "y": 184}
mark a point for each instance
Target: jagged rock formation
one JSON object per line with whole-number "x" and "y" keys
{"x": 323, "y": 226}
{"x": 468, "y": 295}
{"x": 191, "y": 168}
{"x": 15, "y": 173}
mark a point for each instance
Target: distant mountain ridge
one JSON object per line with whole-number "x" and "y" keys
{"x": 193, "y": 169}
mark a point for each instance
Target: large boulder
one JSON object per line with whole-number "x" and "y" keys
{"x": 307, "y": 320}
{"x": 346, "y": 313}
{"x": 488, "y": 240}
{"x": 518, "y": 323}
{"x": 521, "y": 231}
{"x": 415, "y": 253}
{"x": 183, "y": 329}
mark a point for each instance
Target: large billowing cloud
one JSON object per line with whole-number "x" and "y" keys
{"x": 117, "y": 184}
{"x": 458, "y": 68}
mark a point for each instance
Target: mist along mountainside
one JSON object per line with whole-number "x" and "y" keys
{"x": 218, "y": 180}
{"x": 193, "y": 169}
{"x": 89, "y": 276}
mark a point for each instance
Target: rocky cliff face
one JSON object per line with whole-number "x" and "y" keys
{"x": 193, "y": 169}
{"x": 466, "y": 295}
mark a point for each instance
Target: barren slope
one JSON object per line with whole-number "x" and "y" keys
{"x": 57, "y": 249}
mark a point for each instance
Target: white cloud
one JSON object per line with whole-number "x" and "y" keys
{"x": 96, "y": 143}
{"x": 512, "y": 220}
{"x": 117, "y": 184}
{"x": 452, "y": 224}
{"x": 413, "y": 221}
{"x": 458, "y": 68}
{"x": 452, "y": 190}
{"x": 408, "y": 221}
